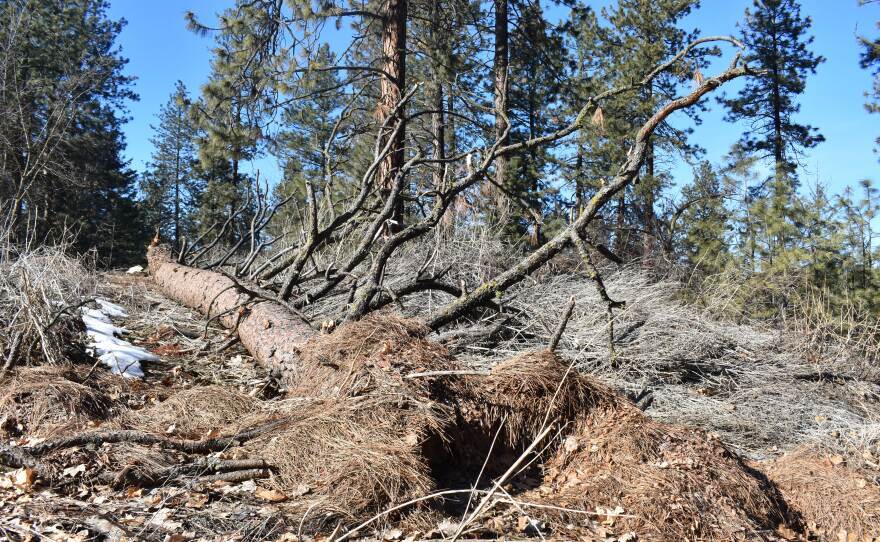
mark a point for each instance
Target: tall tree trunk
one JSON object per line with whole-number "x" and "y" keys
{"x": 580, "y": 184}
{"x": 438, "y": 125}
{"x": 177, "y": 184}
{"x": 501, "y": 66}
{"x": 394, "y": 14}
{"x": 620, "y": 225}
{"x": 648, "y": 234}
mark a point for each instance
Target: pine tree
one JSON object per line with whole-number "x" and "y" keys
{"x": 170, "y": 185}
{"x": 776, "y": 36}
{"x": 62, "y": 98}
{"x": 639, "y": 35}
{"x": 537, "y": 63}
{"x": 705, "y": 238}
{"x": 312, "y": 145}
{"x": 870, "y": 60}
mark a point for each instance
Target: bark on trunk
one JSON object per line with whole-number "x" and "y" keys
{"x": 268, "y": 330}
{"x": 501, "y": 61}
{"x": 394, "y": 13}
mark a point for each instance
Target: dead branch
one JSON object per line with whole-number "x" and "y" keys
{"x": 628, "y": 172}
{"x": 557, "y": 335}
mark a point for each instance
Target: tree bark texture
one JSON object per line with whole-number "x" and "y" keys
{"x": 392, "y": 83}
{"x": 268, "y": 330}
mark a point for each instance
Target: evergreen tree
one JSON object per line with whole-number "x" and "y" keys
{"x": 870, "y": 60}
{"x": 705, "y": 238}
{"x": 638, "y": 36}
{"x": 313, "y": 144}
{"x": 62, "y": 98}
{"x": 537, "y": 64}
{"x": 169, "y": 185}
{"x": 777, "y": 39}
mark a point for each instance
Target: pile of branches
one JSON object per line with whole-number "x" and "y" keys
{"x": 41, "y": 291}
{"x": 346, "y": 243}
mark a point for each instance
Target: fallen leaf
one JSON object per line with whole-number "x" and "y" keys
{"x": 134, "y": 492}
{"x": 196, "y": 500}
{"x": 24, "y": 478}
{"x": 270, "y": 495}
{"x": 73, "y": 471}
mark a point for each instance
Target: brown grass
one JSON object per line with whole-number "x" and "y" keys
{"x": 367, "y": 356}
{"x": 835, "y": 501}
{"x": 359, "y": 432}
{"x": 673, "y": 483}
{"x": 527, "y": 391}
{"x": 349, "y": 458}
{"x": 195, "y": 412}
{"x": 45, "y": 401}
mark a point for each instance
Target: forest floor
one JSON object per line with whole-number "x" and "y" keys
{"x": 205, "y": 384}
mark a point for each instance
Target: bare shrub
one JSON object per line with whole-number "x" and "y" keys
{"x": 40, "y": 293}
{"x": 762, "y": 388}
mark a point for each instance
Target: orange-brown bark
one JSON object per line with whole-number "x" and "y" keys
{"x": 268, "y": 330}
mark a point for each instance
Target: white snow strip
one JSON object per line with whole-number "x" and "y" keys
{"x": 119, "y": 355}
{"x": 111, "y": 309}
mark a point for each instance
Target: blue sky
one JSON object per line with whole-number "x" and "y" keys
{"x": 161, "y": 50}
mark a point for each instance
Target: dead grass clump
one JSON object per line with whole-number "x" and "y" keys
{"x": 524, "y": 393}
{"x": 834, "y": 500}
{"x": 369, "y": 355}
{"x": 659, "y": 481}
{"x": 44, "y": 401}
{"x": 195, "y": 412}
{"x": 351, "y": 458}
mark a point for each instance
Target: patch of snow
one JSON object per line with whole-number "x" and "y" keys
{"x": 111, "y": 309}
{"x": 119, "y": 355}
{"x": 135, "y": 270}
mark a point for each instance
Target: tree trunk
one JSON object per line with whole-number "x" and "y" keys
{"x": 394, "y": 13}
{"x": 648, "y": 235}
{"x": 269, "y": 331}
{"x": 620, "y": 225}
{"x": 501, "y": 62}
{"x": 438, "y": 125}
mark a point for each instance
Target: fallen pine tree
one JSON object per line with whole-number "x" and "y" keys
{"x": 377, "y": 415}
{"x": 379, "y": 424}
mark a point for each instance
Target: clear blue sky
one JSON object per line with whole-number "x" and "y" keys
{"x": 161, "y": 51}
